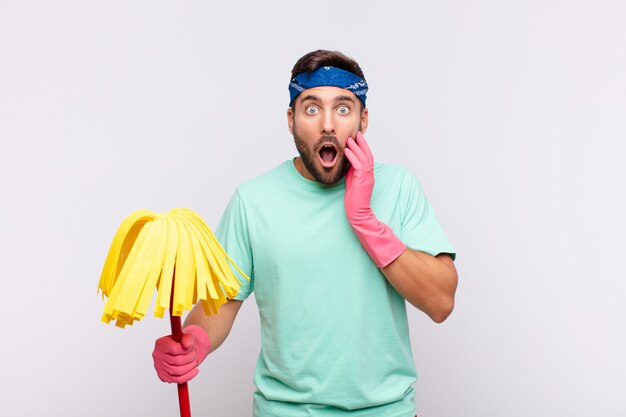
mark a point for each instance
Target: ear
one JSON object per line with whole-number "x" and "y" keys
{"x": 364, "y": 119}
{"x": 290, "y": 119}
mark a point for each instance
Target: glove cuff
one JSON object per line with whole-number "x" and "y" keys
{"x": 378, "y": 240}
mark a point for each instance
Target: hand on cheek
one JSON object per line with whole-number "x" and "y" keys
{"x": 378, "y": 240}
{"x": 359, "y": 179}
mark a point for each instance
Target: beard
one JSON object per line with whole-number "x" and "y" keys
{"x": 310, "y": 156}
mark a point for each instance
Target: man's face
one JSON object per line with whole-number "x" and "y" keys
{"x": 322, "y": 121}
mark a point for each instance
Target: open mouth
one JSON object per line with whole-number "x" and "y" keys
{"x": 328, "y": 155}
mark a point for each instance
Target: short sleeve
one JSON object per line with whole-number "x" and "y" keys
{"x": 232, "y": 233}
{"x": 420, "y": 228}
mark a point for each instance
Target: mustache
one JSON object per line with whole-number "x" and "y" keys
{"x": 328, "y": 139}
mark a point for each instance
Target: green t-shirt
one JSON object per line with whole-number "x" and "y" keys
{"x": 334, "y": 332}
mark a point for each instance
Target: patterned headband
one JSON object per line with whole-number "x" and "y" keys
{"x": 328, "y": 76}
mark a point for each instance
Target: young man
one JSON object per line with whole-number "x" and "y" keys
{"x": 334, "y": 245}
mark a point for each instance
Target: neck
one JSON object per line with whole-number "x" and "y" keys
{"x": 297, "y": 162}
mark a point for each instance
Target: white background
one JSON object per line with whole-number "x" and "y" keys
{"x": 512, "y": 115}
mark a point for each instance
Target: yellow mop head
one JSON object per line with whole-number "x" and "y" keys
{"x": 148, "y": 249}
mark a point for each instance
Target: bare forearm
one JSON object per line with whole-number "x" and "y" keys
{"x": 217, "y": 326}
{"x": 427, "y": 282}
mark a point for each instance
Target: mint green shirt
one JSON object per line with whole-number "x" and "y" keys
{"x": 334, "y": 333}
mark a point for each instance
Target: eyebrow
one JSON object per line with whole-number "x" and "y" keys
{"x": 342, "y": 97}
{"x": 345, "y": 98}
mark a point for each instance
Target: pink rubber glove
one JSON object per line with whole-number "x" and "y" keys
{"x": 379, "y": 241}
{"x": 178, "y": 362}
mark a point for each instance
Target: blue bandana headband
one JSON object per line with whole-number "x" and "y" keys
{"x": 330, "y": 77}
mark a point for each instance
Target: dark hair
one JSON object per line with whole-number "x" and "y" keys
{"x": 322, "y": 58}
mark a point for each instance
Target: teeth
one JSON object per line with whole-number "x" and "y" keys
{"x": 146, "y": 251}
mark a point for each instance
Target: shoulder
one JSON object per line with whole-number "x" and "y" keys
{"x": 395, "y": 175}
{"x": 252, "y": 194}
{"x": 263, "y": 183}
{"x": 384, "y": 168}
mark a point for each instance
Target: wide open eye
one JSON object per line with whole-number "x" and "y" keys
{"x": 343, "y": 110}
{"x": 311, "y": 110}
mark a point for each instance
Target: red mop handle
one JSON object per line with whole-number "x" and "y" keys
{"x": 183, "y": 390}
{"x": 177, "y": 335}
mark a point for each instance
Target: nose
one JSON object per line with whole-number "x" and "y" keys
{"x": 328, "y": 124}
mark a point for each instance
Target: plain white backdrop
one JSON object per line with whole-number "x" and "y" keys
{"x": 511, "y": 114}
